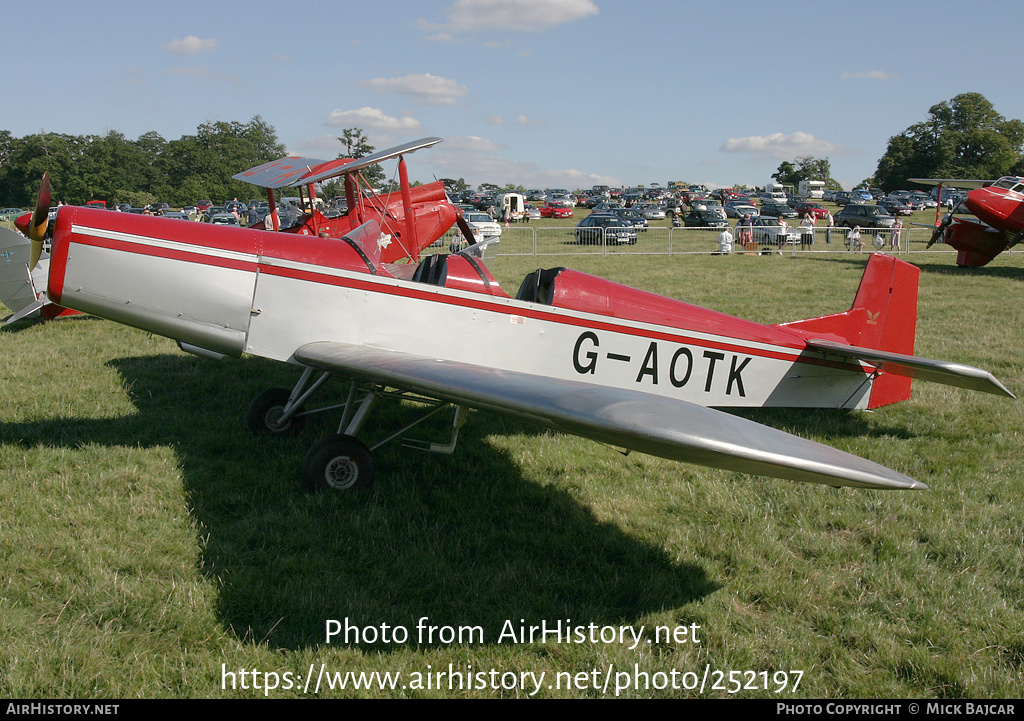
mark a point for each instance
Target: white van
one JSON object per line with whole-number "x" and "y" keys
{"x": 811, "y": 189}
{"x": 512, "y": 203}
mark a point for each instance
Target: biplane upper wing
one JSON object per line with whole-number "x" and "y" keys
{"x": 952, "y": 374}
{"x": 952, "y": 182}
{"x": 292, "y": 170}
{"x": 289, "y": 171}
{"x": 665, "y": 427}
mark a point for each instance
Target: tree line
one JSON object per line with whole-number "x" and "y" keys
{"x": 147, "y": 170}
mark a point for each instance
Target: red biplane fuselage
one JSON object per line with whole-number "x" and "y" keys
{"x": 998, "y": 206}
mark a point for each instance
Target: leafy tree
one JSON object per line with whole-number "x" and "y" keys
{"x": 962, "y": 138}
{"x": 355, "y": 145}
{"x": 454, "y": 186}
{"x": 806, "y": 167}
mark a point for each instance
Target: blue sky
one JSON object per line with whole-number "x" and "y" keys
{"x": 543, "y": 93}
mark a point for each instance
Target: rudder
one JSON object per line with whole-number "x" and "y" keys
{"x": 883, "y": 317}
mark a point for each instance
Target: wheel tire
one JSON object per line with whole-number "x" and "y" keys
{"x": 338, "y": 463}
{"x": 266, "y": 408}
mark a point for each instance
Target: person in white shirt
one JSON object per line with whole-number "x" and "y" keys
{"x": 725, "y": 242}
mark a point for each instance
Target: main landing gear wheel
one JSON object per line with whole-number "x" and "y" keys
{"x": 340, "y": 463}
{"x": 264, "y": 414}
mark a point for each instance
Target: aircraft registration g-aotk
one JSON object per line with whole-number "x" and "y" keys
{"x": 570, "y": 351}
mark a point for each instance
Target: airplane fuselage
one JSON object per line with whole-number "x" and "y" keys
{"x": 1000, "y": 205}
{"x": 247, "y": 291}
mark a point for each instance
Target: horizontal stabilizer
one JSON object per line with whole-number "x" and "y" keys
{"x": 952, "y": 374}
{"x": 664, "y": 427}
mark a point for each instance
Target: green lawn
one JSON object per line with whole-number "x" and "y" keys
{"x": 149, "y": 545}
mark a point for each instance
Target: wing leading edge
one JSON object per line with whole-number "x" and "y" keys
{"x": 664, "y": 427}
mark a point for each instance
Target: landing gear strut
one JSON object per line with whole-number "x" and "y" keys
{"x": 340, "y": 461}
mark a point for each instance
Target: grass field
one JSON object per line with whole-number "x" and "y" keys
{"x": 149, "y": 545}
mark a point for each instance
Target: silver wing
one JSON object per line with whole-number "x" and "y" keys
{"x": 664, "y": 427}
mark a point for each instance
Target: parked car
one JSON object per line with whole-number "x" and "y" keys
{"x": 556, "y": 209}
{"x": 712, "y": 218}
{"x": 532, "y": 211}
{"x": 816, "y": 209}
{"x": 482, "y": 225}
{"x": 865, "y": 216}
{"x": 739, "y": 208}
{"x": 779, "y": 210}
{"x": 650, "y": 211}
{"x": 631, "y": 217}
{"x": 895, "y": 206}
{"x": 224, "y": 219}
{"x": 766, "y": 229}
{"x": 610, "y": 229}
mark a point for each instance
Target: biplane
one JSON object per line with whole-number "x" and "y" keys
{"x": 426, "y": 206}
{"x": 998, "y": 206}
{"x": 568, "y": 350}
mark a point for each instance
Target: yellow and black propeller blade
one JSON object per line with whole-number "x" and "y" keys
{"x": 35, "y": 226}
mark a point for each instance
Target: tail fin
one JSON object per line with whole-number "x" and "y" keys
{"x": 883, "y": 317}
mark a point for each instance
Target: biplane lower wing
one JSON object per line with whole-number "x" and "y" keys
{"x": 952, "y": 374}
{"x": 665, "y": 427}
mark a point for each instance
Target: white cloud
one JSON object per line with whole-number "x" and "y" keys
{"x": 782, "y": 146}
{"x": 871, "y": 75}
{"x": 368, "y": 118}
{"x": 191, "y": 45}
{"x": 521, "y": 15}
{"x": 523, "y": 120}
{"x": 426, "y": 88}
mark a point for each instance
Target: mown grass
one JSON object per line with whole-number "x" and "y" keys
{"x": 146, "y": 538}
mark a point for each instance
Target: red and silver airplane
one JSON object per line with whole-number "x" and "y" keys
{"x": 570, "y": 351}
{"x": 24, "y": 264}
{"x": 997, "y": 204}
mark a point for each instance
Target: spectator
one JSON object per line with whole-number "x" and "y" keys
{"x": 725, "y": 242}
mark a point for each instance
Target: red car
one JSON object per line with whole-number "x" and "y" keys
{"x": 555, "y": 210}
{"x": 816, "y": 209}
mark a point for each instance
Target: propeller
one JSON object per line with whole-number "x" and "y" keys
{"x": 940, "y": 230}
{"x": 467, "y": 232}
{"x": 35, "y": 227}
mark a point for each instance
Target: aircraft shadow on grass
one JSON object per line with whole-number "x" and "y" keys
{"x": 465, "y": 539}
